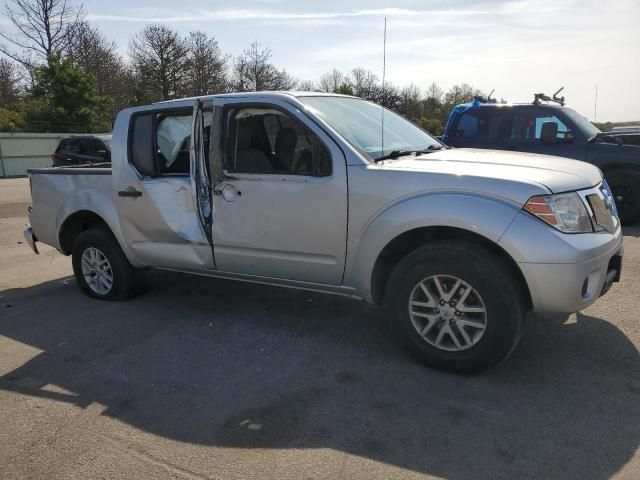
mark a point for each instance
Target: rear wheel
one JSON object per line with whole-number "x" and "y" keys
{"x": 457, "y": 306}
{"x": 101, "y": 268}
{"x": 625, "y": 186}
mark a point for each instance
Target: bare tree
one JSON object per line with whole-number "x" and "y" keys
{"x": 332, "y": 81}
{"x": 160, "y": 59}
{"x": 364, "y": 82}
{"x": 253, "y": 70}
{"x": 461, "y": 93}
{"x": 94, "y": 54}
{"x": 306, "y": 86}
{"x": 207, "y": 65}
{"x": 9, "y": 83}
{"x": 409, "y": 101}
{"x": 41, "y": 29}
{"x": 434, "y": 92}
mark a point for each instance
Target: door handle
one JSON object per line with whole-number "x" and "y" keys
{"x": 227, "y": 191}
{"x": 130, "y": 192}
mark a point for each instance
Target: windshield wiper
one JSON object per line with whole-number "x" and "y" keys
{"x": 401, "y": 153}
{"x": 394, "y": 154}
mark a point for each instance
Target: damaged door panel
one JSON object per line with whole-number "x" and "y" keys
{"x": 158, "y": 199}
{"x": 199, "y": 152}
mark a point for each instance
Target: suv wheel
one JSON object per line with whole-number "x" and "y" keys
{"x": 101, "y": 268}
{"x": 456, "y": 306}
{"x": 625, "y": 186}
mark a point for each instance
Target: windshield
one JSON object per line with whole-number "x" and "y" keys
{"x": 584, "y": 125}
{"x": 360, "y": 123}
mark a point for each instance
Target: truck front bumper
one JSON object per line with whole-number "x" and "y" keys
{"x": 578, "y": 269}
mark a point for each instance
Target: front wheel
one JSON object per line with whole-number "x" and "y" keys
{"x": 457, "y": 306}
{"x": 101, "y": 268}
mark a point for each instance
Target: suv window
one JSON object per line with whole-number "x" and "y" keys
{"x": 69, "y": 146}
{"x": 481, "y": 123}
{"x": 527, "y": 125}
{"x": 267, "y": 140}
{"x": 90, "y": 146}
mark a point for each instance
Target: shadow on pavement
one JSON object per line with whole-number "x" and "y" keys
{"x": 227, "y": 364}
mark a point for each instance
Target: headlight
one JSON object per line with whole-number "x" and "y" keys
{"x": 564, "y": 211}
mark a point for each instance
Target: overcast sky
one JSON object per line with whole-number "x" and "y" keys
{"x": 517, "y": 47}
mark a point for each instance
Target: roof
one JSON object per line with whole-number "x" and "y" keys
{"x": 511, "y": 105}
{"x": 261, "y": 94}
{"x": 101, "y": 136}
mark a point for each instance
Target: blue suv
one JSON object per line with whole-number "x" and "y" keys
{"x": 553, "y": 129}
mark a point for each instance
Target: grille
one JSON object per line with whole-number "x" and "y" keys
{"x": 601, "y": 213}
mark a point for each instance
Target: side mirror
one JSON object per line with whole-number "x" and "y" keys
{"x": 549, "y": 132}
{"x": 568, "y": 137}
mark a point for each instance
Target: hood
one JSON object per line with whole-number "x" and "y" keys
{"x": 556, "y": 173}
{"x": 629, "y": 136}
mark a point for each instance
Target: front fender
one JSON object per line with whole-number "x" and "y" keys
{"x": 485, "y": 216}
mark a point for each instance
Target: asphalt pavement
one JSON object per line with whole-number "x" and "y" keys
{"x": 204, "y": 378}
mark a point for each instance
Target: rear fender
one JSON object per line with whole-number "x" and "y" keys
{"x": 97, "y": 202}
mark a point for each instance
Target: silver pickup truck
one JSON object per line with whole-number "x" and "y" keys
{"x": 334, "y": 194}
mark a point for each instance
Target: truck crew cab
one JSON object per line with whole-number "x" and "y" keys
{"x": 302, "y": 190}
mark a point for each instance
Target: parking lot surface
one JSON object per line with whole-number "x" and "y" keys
{"x": 202, "y": 378}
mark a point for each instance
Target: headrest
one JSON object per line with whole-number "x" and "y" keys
{"x": 244, "y": 133}
{"x": 286, "y": 140}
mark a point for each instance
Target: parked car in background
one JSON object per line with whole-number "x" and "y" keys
{"x": 82, "y": 150}
{"x": 300, "y": 190}
{"x": 553, "y": 129}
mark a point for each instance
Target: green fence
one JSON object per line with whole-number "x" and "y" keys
{"x": 20, "y": 151}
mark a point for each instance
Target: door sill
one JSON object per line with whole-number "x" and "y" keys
{"x": 277, "y": 282}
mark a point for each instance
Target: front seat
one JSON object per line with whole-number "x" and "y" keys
{"x": 248, "y": 158}
{"x": 285, "y": 147}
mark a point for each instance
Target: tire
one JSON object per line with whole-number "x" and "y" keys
{"x": 625, "y": 186}
{"x": 494, "y": 288}
{"x": 98, "y": 244}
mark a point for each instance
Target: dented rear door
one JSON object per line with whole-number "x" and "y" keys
{"x": 158, "y": 187}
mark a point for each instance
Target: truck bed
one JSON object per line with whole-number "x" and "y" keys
{"x": 58, "y": 191}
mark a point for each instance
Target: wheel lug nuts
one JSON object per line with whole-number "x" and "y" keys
{"x": 452, "y": 303}
{"x": 442, "y": 302}
{"x": 437, "y": 310}
{"x": 457, "y": 313}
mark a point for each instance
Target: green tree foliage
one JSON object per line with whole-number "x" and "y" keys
{"x": 9, "y": 86}
{"x": 11, "y": 120}
{"x": 64, "y": 98}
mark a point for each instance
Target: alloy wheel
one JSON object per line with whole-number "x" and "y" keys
{"x": 97, "y": 271}
{"x": 447, "y": 312}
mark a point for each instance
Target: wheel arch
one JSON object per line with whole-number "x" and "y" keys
{"x": 409, "y": 241}
{"x": 612, "y": 167}
{"x": 75, "y": 224}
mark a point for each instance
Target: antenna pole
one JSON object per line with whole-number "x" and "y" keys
{"x": 384, "y": 74}
{"x": 595, "y": 106}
